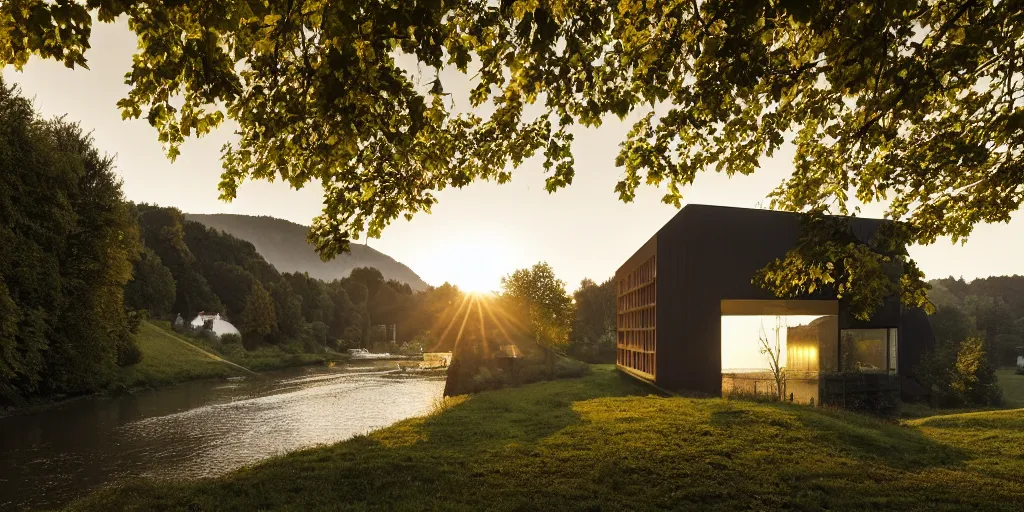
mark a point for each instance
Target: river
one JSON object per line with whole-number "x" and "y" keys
{"x": 198, "y": 429}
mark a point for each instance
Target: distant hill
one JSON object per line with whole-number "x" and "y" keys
{"x": 283, "y": 244}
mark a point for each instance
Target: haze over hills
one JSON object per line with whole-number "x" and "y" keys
{"x": 283, "y": 244}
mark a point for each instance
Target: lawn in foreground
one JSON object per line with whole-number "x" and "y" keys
{"x": 602, "y": 443}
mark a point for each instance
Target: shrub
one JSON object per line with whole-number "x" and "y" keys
{"x": 291, "y": 347}
{"x": 134, "y": 319}
{"x": 252, "y": 341}
{"x": 960, "y": 374}
{"x": 419, "y": 343}
{"x": 318, "y": 331}
{"x": 208, "y": 337}
{"x": 351, "y": 337}
{"x": 974, "y": 381}
{"x": 343, "y": 344}
{"x": 231, "y": 339}
{"x": 601, "y": 351}
{"x": 486, "y": 379}
{"x": 381, "y": 347}
{"x": 234, "y": 349}
{"x": 128, "y": 353}
{"x": 568, "y": 368}
{"x": 209, "y": 340}
{"x": 884, "y": 404}
{"x": 533, "y": 373}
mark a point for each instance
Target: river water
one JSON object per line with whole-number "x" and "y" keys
{"x": 198, "y": 429}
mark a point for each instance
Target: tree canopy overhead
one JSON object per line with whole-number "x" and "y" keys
{"x": 911, "y": 102}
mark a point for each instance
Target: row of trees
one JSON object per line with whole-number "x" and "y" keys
{"x": 523, "y": 334}
{"x": 187, "y": 268}
{"x": 990, "y": 308}
{"x": 80, "y": 266}
{"x": 67, "y": 242}
{"x": 581, "y": 325}
{"x": 978, "y": 326}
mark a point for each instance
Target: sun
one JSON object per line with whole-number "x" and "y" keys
{"x": 477, "y": 279}
{"x": 473, "y": 263}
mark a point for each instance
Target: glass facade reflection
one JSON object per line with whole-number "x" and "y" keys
{"x": 821, "y": 362}
{"x": 868, "y": 350}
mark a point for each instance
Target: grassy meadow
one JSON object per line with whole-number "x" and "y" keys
{"x": 166, "y": 359}
{"x": 271, "y": 358}
{"x": 169, "y": 358}
{"x": 1013, "y": 387}
{"x": 603, "y": 442}
{"x": 1013, "y": 398}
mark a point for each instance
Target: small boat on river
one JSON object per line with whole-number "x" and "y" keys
{"x": 363, "y": 354}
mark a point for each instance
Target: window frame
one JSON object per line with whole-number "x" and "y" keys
{"x": 891, "y": 351}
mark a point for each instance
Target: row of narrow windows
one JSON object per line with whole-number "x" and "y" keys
{"x": 637, "y": 317}
{"x": 636, "y": 360}
{"x": 643, "y": 274}
{"x": 638, "y": 340}
{"x": 643, "y": 296}
{"x": 640, "y": 319}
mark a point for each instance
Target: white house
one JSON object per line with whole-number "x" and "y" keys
{"x": 218, "y": 325}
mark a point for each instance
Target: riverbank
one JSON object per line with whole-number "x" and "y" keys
{"x": 603, "y": 442}
{"x": 169, "y": 358}
{"x": 264, "y": 358}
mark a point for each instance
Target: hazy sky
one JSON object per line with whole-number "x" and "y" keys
{"x": 475, "y": 234}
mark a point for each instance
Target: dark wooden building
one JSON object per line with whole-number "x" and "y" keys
{"x": 674, "y": 291}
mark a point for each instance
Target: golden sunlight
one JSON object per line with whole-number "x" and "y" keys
{"x": 475, "y": 263}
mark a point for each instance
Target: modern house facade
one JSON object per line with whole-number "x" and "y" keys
{"x": 678, "y": 290}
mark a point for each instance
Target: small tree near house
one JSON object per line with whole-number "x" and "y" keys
{"x": 546, "y": 307}
{"x": 258, "y": 316}
{"x": 773, "y": 351}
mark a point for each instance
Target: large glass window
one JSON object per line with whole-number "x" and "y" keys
{"x": 868, "y": 350}
{"x": 799, "y": 338}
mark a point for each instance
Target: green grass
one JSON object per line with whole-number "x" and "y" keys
{"x": 166, "y": 360}
{"x": 603, "y": 443}
{"x": 271, "y": 358}
{"x": 1013, "y": 398}
{"x": 1013, "y": 387}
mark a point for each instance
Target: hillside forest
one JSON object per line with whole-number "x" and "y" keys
{"x": 284, "y": 244}
{"x": 990, "y": 308}
{"x": 81, "y": 267}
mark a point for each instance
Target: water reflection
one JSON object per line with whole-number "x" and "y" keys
{"x": 198, "y": 429}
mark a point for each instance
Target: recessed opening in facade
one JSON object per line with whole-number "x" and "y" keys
{"x": 802, "y": 339}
